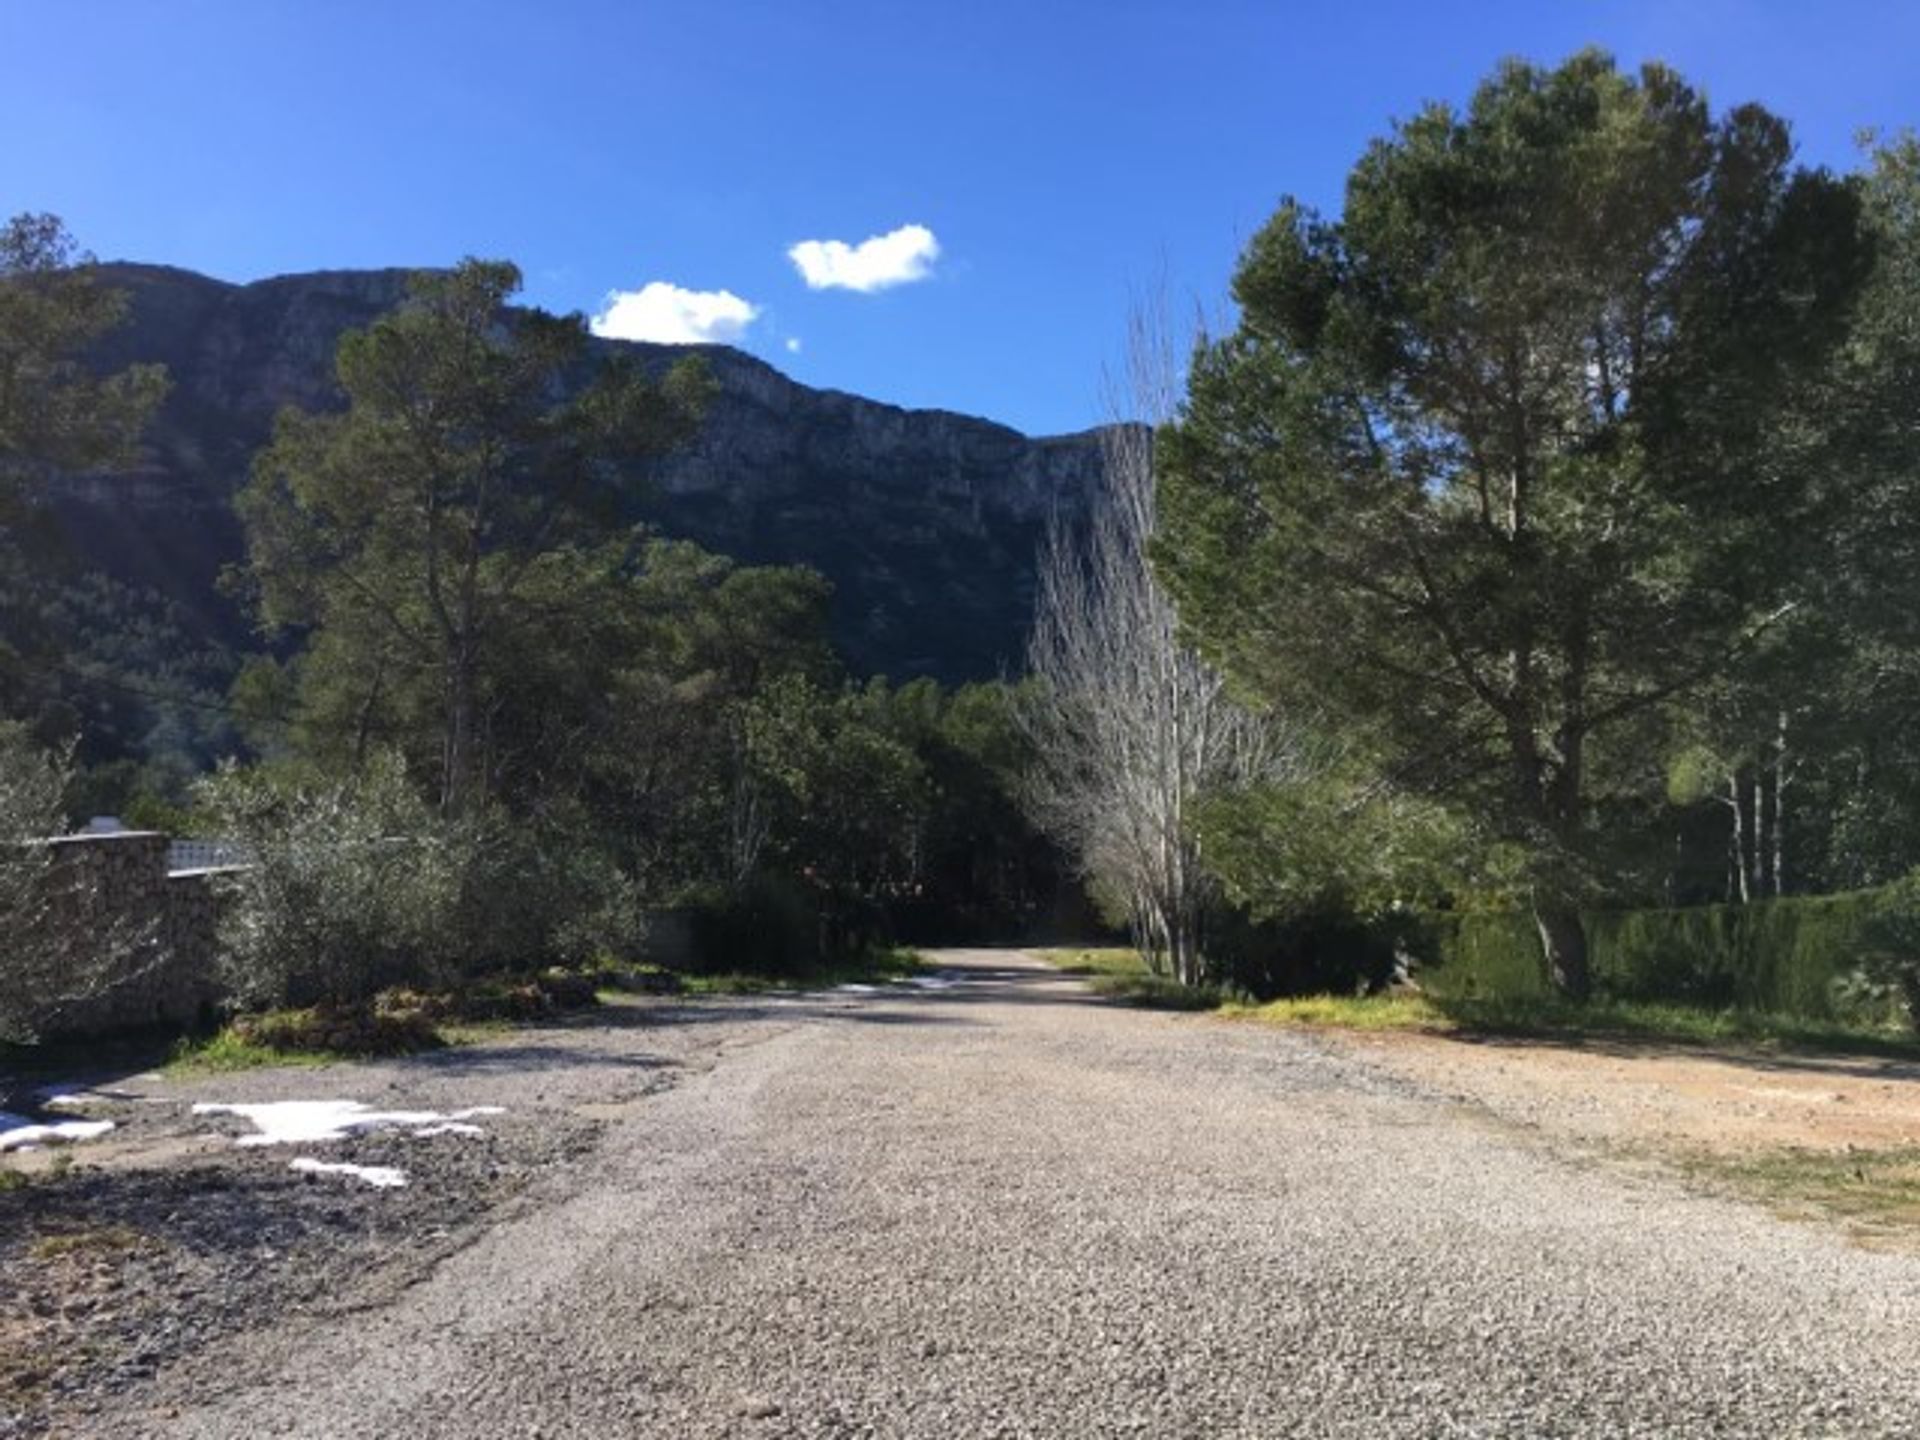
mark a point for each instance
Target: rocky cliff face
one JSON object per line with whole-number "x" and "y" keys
{"x": 927, "y": 523}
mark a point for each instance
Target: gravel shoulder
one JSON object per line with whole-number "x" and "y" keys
{"x": 132, "y": 1255}
{"x": 1633, "y": 1093}
{"x": 995, "y": 1207}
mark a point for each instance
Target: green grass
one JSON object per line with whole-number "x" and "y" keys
{"x": 474, "y": 1032}
{"x": 1681, "y": 1024}
{"x": 1118, "y": 973}
{"x": 1347, "y": 1012}
{"x": 233, "y": 1048}
{"x": 224, "y": 1051}
{"x": 1117, "y": 961}
{"x": 399, "y": 1021}
{"x": 1121, "y": 973}
{"x": 1875, "y": 1193}
{"x": 1155, "y": 992}
{"x": 1636, "y": 1021}
{"x": 59, "y": 1166}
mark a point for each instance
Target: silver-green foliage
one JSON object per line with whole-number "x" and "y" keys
{"x": 352, "y": 884}
{"x": 31, "y": 781}
{"x": 63, "y": 942}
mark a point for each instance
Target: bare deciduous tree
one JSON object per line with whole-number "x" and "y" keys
{"x": 1130, "y": 726}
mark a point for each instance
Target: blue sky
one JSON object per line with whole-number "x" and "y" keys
{"x": 1058, "y": 155}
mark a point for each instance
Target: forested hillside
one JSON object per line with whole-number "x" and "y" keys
{"x": 926, "y": 523}
{"x": 1538, "y": 541}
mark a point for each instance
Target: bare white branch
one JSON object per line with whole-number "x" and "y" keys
{"x": 1130, "y": 726}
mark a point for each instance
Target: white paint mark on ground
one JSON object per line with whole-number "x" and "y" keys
{"x": 19, "y": 1133}
{"x": 381, "y": 1177}
{"x": 310, "y": 1122}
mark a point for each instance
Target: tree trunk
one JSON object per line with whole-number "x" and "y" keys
{"x": 1147, "y": 933}
{"x": 463, "y": 690}
{"x": 1738, "y": 857}
{"x": 1184, "y": 938}
{"x": 363, "y": 728}
{"x": 1563, "y": 941}
{"x": 459, "y": 747}
{"x": 1780, "y": 808}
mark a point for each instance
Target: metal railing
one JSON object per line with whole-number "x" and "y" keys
{"x": 205, "y": 855}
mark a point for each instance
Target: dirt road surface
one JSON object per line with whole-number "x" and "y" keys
{"x": 992, "y": 1206}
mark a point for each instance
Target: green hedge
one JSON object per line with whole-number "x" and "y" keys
{"x": 1776, "y": 956}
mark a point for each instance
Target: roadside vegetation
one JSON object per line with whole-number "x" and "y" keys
{"x": 1545, "y": 1017}
{"x": 1507, "y": 620}
{"x": 410, "y": 1021}
{"x": 1873, "y": 1194}
{"x": 880, "y": 965}
{"x": 1121, "y": 973}
{"x": 485, "y": 755}
{"x": 1576, "y": 679}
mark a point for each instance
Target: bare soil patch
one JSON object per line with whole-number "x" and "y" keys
{"x": 1720, "y": 1102}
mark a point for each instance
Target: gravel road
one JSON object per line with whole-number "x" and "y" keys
{"x": 998, "y": 1208}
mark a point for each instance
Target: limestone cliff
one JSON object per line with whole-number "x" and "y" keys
{"x": 926, "y": 522}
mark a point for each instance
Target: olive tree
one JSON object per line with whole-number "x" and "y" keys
{"x": 63, "y": 942}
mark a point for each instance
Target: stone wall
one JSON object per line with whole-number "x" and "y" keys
{"x": 141, "y": 939}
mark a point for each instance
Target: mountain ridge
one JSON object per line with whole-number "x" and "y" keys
{"x": 927, "y": 521}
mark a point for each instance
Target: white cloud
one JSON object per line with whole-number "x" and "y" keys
{"x": 793, "y": 345}
{"x": 875, "y": 263}
{"x": 668, "y": 315}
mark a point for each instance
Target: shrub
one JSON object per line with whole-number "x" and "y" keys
{"x": 47, "y": 905}
{"x": 326, "y": 1029}
{"x": 1326, "y": 949}
{"x": 767, "y": 926}
{"x": 541, "y": 895}
{"x": 31, "y": 783}
{"x": 493, "y": 997}
{"x": 352, "y": 886}
{"x": 1486, "y": 955}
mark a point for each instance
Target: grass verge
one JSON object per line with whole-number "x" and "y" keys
{"x": 1347, "y": 1012}
{"x": 1121, "y": 974}
{"x": 399, "y": 1021}
{"x": 226, "y": 1051}
{"x": 1598, "y": 1020}
{"x": 1118, "y": 973}
{"x": 1875, "y": 1194}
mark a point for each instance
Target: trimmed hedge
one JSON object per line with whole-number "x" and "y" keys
{"x": 1327, "y": 950}
{"x": 1780, "y": 957}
